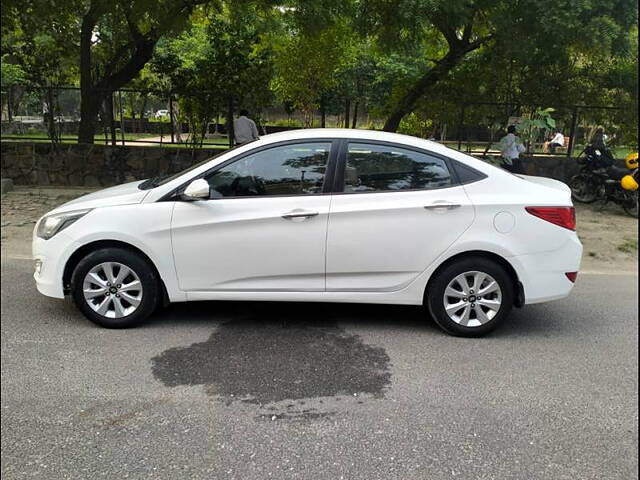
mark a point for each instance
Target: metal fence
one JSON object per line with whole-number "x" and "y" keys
{"x": 147, "y": 117}
{"x": 127, "y": 116}
{"x": 144, "y": 117}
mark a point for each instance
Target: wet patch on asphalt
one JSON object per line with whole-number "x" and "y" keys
{"x": 278, "y": 365}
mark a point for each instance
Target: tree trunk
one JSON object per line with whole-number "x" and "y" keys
{"x": 90, "y": 99}
{"x": 355, "y": 115}
{"x": 50, "y": 116}
{"x": 347, "y": 112}
{"x": 142, "y": 110}
{"x": 89, "y": 107}
{"x": 9, "y": 104}
{"x": 230, "y": 131}
{"x": 407, "y": 103}
{"x": 112, "y": 124}
{"x": 93, "y": 91}
{"x": 323, "y": 114}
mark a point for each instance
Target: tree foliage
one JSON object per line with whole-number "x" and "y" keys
{"x": 392, "y": 57}
{"x": 302, "y": 76}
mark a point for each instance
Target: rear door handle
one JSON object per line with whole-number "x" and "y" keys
{"x": 446, "y": 205}
{"x": 299, "y": 214}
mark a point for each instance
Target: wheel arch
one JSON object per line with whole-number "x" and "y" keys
{"x": 87, "y": 248}
{"x": 504, "y": 263}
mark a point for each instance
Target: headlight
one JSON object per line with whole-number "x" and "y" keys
{"x": 49, "y": 225}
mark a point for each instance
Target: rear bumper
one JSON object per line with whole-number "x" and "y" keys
{"x": 543, "y": 274}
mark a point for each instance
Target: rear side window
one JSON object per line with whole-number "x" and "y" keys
{"x": 383, "y": 168}
{"x": 466, "y": 174}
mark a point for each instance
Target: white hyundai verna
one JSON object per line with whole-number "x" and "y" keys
{"x": 317, "y": 216}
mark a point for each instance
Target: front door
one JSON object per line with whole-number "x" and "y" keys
{"x": 264, "y": 227}
{"x": 400, "y": 209}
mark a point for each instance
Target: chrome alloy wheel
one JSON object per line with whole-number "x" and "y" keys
{"x": 472, "y": 299}
{"x": 112, "y": 290}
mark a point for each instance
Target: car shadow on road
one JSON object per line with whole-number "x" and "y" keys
{"x": 550, "y": 320}
{"x": 289, "y": 314}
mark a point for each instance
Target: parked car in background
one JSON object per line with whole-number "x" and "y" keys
{"x": 162, "y": 113}
{"x": 324, "y": 215}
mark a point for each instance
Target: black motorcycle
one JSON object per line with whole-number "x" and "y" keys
{"x": 612, "y": 191}
{"x": 599, "y": 179}
{"x": 586, "y": 185}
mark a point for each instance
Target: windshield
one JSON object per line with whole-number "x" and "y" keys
{"x": 166, "y": 178}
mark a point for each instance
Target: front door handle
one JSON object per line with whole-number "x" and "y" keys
{"x": 448, "y": 206}
{"x": 299, "y": 214}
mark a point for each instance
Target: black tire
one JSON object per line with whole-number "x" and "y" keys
{"x": 435, "y": 295}
{"x": 630, "y": 203}
{"x": 584, "y": 189}
{"x": 150, "y": 291}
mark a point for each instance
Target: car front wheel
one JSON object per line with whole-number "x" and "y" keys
{"x": 115, "y": 288}
{"x": 470, "y": 297}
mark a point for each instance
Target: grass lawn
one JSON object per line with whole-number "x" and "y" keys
{"x": 37, "y": 136}
{"x": 217, "y": 142}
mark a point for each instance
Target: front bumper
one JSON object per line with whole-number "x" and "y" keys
{"x": 53, "y": 255}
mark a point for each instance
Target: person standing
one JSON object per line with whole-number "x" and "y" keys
{"x": 244, "y": 129}
{"x": 511, "y": 147}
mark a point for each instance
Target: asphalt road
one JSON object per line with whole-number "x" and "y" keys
{"x": 255, "y": 391}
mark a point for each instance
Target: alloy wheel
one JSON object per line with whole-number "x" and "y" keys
{"x": 472, "y": 299}
{"x": 112, "y": 290}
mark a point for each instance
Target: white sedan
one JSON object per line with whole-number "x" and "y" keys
{"x": 317, "y": 216}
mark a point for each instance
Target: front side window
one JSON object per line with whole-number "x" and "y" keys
{"x": 381, "y": 168}
{"x": 286, "y": 170}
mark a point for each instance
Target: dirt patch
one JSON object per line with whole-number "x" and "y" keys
{"x": 610, "y": 239}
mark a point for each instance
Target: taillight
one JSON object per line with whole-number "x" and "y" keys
{"x": 562, "y": 216}
{"x": 572, "y": 276}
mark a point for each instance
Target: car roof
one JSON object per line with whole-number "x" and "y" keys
{"x": 343, "y": 133}
{"x": 375, "y": 135}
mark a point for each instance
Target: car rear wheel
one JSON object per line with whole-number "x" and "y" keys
{"x": 115, "y": 288}
{"x": 470, "y": 297}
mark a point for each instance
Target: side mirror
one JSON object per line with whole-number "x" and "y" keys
{"x": 197, "y": 190}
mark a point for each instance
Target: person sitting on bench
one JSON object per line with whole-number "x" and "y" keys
{"x": 555, "y": 142}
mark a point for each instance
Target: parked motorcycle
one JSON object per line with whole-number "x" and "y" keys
{"x": 599, "y": 179}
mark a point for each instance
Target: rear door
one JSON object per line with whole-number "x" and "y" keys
{"x": 395, "y": 210}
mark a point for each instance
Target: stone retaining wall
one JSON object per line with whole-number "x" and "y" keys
{"x": 98, "y": 165}
{"x": 561, "y": 167}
